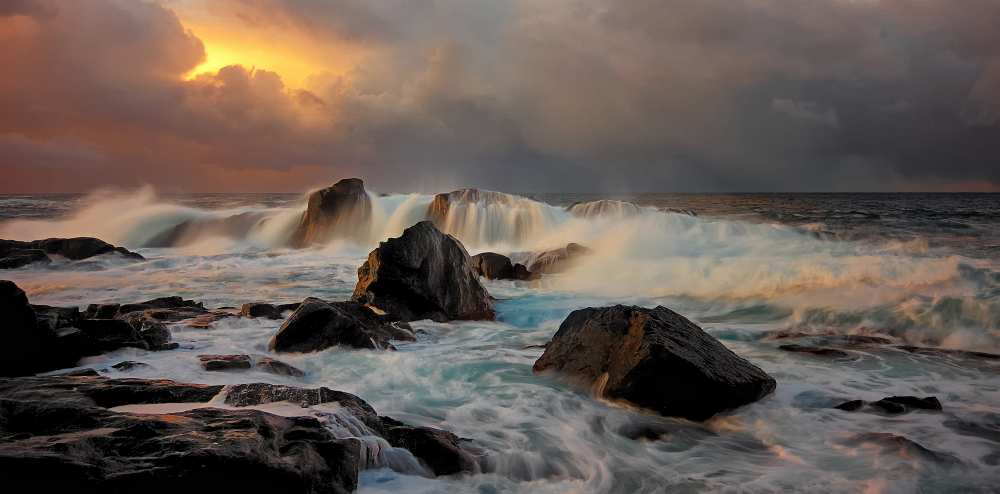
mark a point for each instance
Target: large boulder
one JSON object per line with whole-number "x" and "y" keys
{"x": 342, "y": 210}
{"x": 423, "y": 274}
{"x": 16, "y": 253}
{"x": 493, "y": 266}
{"x": 556, "y": 260}
{"x": 654, "y": 358}
{"x": 316, "y": 325}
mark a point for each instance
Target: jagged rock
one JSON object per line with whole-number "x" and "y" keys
{"x": 815, "y": 350}
{"x": 16, "y": 253}
{"x": 603, "y": 208}
{"x": 654, "y": 358}
{"x": 152, "y": 314}
{"x": 556, "y": 260}
{"x": 493, "y": 266}
{"x": 423, "y": 274}
{"x": 316, "y": 325}
{"x": 273, "y": 366}
{"x": 127, "y": 365}
{"x": 894, "y": 405}
{"x": 342, "y": 210}
{"x": 60, "y": 436}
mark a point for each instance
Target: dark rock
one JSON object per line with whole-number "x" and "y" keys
{"x": 556, "y": 260}
{"x": 128, "y": 365}
{"x": 101, "y": 311}
{"x": 493, "y": 266}
{"x": 258, "y": 309}
{"x": 654, "y": 358}
{"x": 894, "y": 405}
{"x": 439, "y": 450}
{"x": 225, "y": 362}
{"x": 340, "y": 211}
{"x": 603, "y": 208}
{"x": 815, "y": 350}
{"x": 316, "y": 325}
{"x": 423, "y": 274}
{"x": 56, "y": 317}
{"x": 64, "y": 440}
{"x": 268, "y": 364}
{"x": 25, "y": 342}
{"x": 111, "y": 334}
{"x": 15, "y": 253}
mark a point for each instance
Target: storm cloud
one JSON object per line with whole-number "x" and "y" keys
{"x": 560, "y": 95}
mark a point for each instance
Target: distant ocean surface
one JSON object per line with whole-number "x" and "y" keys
{"x": 920, "y": 270}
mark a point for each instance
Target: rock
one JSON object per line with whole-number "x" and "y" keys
{"x": 237, "y": 226}
{"x": 423, "y": 274}
{"x": 604, "y": 208}
{"x": 556, "y": 260}
{"x": 128, "y": 365}
{"x": 56, "y": 317}
{"x": 440, "y": 450}
{"x": 225, "y": 362}
{"x": 653, "y": 358}
{"x": 342, "y": 210}
{"x": 270, "y": 311}
{"x": 901, "y": 446}
{"x": 894, "y": 405}
{"x": 493, "y": 266}
{"x": 243, "y": 362}
{"x": 152, "y": 314}
{"x": 111, "y": 334}
{"x": 15, "y": 253}
{"x": 25, "y": 342}
{"x": 59, "y": 437}
{"x": 815, "y": 350}
{"x": 945, "y": 352}
{"x": 316, "y": 325}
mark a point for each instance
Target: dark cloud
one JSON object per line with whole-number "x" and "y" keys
{"x": 557, "y": 95}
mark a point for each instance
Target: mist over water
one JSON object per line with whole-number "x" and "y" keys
{"x": 917, "y": 270}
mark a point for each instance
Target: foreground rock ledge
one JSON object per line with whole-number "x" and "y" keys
{"x": 16, "y": 253}
{"x": 58, "y": 433}
{"x": 654, "y": 358}
{"x": 423, "y": 274}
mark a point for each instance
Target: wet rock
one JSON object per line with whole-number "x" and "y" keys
{"x": 653, "y": 358}
{"x": 129, "y": 365}
{"x": 438, "y": 449}
{"x": 947, "y": 352}
{"x": 603, "y": 208}
{"x": 423, "y": 274}
{"x": 111, "y": 334}
{"x": 815, "y": 350}
{"x": 59, "y": 438}
{"x": 15, "y": 253}
{"x": 25, "y": 342}
{"x": 244, "y": 362}
{"x": 342, "y": 210}
{"x": 556, "y": 260}
{"x": 893, "y": 405}
{"x": 258, "y": 309}
{"x": 56, "y": 317}
{"x": 317, "y": 325}
{"x": 493, "y": 266}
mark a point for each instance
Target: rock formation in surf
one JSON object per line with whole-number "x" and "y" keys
{"x": 342, "y": 210}
{"x": 423, "y": 274}
{"x": 317, "y": 325}
{"x": 270, "y": 311}
{"x": 603, "y": 208}
{"x": 16, "y": 253}
{"x": 556, "y": 260}
{"x": 61, "y": 434}
{"x": 493, "y": 266}
{"x": 654, "y": 358}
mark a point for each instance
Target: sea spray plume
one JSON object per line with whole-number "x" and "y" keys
{"x": 488, "y": 218}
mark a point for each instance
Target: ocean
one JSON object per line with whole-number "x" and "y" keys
{"x": 752, "y": 269}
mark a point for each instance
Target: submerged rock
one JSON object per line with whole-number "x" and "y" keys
{"x": 59, "y": 435}
{"x": 269, "y": 311}
{"x": 128, "y": 365}
{"x": 654, "y": 358}
{"x": 894, "y": 405}
{"x": 556, "y": 260}
{"x": 493, "y": 266}
{"x": 815, "y": 350}
{"x": 16, "y": 253}
{"x": 901, "y": 446}
{"x": 342, "y": 210}
{"x": 316, "y": 325}
{"x": 245, "y": 362}
{"x": 423, "y": 274}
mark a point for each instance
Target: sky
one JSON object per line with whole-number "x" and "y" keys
{"x": 514, "y": 95}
